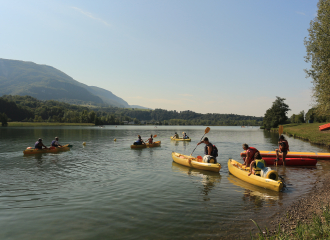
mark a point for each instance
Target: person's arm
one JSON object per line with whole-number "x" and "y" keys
{"x": 44, "y": 145}
{"x": 251, "y": 167}
{"x": 247, "y": 157}
{"x": 200, "y": 142}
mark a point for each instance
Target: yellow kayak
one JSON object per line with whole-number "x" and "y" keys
{"x": 241, "y": 172}
{"x": 31, "y": 150}
{"x": 155, "y": 144}
{"x": 192, "y": 162}
{"x": 181, "y": 139}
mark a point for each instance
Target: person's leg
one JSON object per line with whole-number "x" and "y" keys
{"x": 283, "y": 157}
{"x": 251, "y": 167}
{"x": 276, "y": 151}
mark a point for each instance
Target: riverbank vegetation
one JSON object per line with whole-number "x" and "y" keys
{"x": 28, "y": 109}
{"x": 307, "y": 131}
{"x": 40, "y": 124}
{"x": 318, "y": 228}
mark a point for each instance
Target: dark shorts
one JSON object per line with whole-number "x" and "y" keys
{"x": 283, "y": 151}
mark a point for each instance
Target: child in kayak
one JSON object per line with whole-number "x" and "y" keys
{"x": 39, "y": 144}
{"x": 139, "y": 141}
{"x": 185, "y": 136}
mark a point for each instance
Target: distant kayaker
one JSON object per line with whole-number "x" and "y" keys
{"x": 210, "y": 150}
{"x": 55, "y": 143}
{"x": 39, "y": 144}
{"x": 185, "y": 136}
{"x": 176, "y": 135}
{"x": 283, "y": 148}
{"x": 251, "y": 154}
{"x": 150, "y": 140}
{"x": 139, "y": 141}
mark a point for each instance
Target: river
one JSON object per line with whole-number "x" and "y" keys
{"x": 105, "y": 190}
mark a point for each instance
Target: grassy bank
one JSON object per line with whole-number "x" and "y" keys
{"x": 318, "y": 228}
{"x": 307, "y": 131}
{"x": 41, "y": 124}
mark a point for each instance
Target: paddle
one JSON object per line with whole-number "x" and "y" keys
{"x": 206, "y": 131}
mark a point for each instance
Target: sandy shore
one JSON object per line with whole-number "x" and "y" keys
{"x": 305, "y": 208}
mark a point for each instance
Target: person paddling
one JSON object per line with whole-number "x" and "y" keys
{"x": 176, "y": 135}
{"x": 251, "y": 154}
{"x": 185, "y": 136}
{"x": 283, "y": 148}
{"x": 55, "y": 143}
{"x": 139, "y": 141}
{"x": 39, "y": 144}
{"x": 150, "y": 140}
{"x": 210, "y": 150}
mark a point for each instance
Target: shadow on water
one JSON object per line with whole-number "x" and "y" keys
{"x": 257, "y": 195}
{"x": 209, "y": 180}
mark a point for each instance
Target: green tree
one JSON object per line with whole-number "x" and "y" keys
{"x": 3, "y": 119}
{"x": 318, "y": 54}
{"x": 276, "y": 115}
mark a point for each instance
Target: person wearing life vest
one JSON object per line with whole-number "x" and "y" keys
{"x": 210, "y": 151}
{"x": 256, "y": 166}
{"x": 185, "y": 136}
{"x": 139, "y": 141}
{"x": 251, "y": 154}
{"x": 150, "y": 140}
{"x": 55, "y": 143}
{"x": 176, "y": 135}
{"x": 39, "y": 144}
{"x": 283, "y": 148}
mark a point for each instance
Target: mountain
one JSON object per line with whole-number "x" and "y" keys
{"x": 48, "y": 83}
{"x": 140, "y": 107}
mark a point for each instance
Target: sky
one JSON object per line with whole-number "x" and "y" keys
{"x": 212, "y": 56}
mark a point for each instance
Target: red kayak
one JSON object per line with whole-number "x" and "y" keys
{"x": 291, "y": 161}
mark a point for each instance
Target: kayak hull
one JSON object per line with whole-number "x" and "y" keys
{"x": 155, "y": 144}
{"x": 181, "y": 139}
{"x": 291, "y": 161}
{"x": 192, "y": 162}
{"x": 313, "y": 155}
{"x": 241, "y": 172}
{"x": 31, "y": 150}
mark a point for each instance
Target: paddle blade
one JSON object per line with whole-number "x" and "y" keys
{"x": 155, "y": 136}
{"x": 280, "y": 130}
{"x": 207, "y": 130}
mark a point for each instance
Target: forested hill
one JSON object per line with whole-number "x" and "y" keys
{"x": 27, "y": 108}
{"x": 48, "y": 83}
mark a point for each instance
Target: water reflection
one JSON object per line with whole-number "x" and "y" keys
{"x": 208, "y": 179}
{"x": 257, "y": 195}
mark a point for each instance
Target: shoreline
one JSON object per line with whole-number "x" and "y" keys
{"x": 301, "y": 212}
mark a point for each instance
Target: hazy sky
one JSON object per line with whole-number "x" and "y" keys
{"x": 219, "y": 56}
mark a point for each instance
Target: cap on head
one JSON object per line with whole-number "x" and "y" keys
{"x": 39, "y": 140}
{"x": 56, "y": 138}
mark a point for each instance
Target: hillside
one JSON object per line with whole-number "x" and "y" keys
{"x": 48, "y": 83}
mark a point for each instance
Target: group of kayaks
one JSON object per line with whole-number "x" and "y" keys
{"x": 157, "y": 144}
{"x": 268, "y": 178}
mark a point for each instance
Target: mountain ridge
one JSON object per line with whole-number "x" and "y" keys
{"x": 45, "y": 82}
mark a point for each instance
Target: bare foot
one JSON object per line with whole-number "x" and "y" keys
{"x": 249, "y": 174}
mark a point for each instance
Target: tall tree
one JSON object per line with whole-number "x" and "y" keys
{"x": 318, "y": 54}
{"x": 276, "y": 115}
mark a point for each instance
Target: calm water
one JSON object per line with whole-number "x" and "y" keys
{"x": 106, "y": 190}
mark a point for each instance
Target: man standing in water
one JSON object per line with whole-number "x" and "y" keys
{"x": 211, "y": 151}
{"x": 283, "y": 148}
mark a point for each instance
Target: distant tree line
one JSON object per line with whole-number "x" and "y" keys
{"x": 29, "y": 109}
